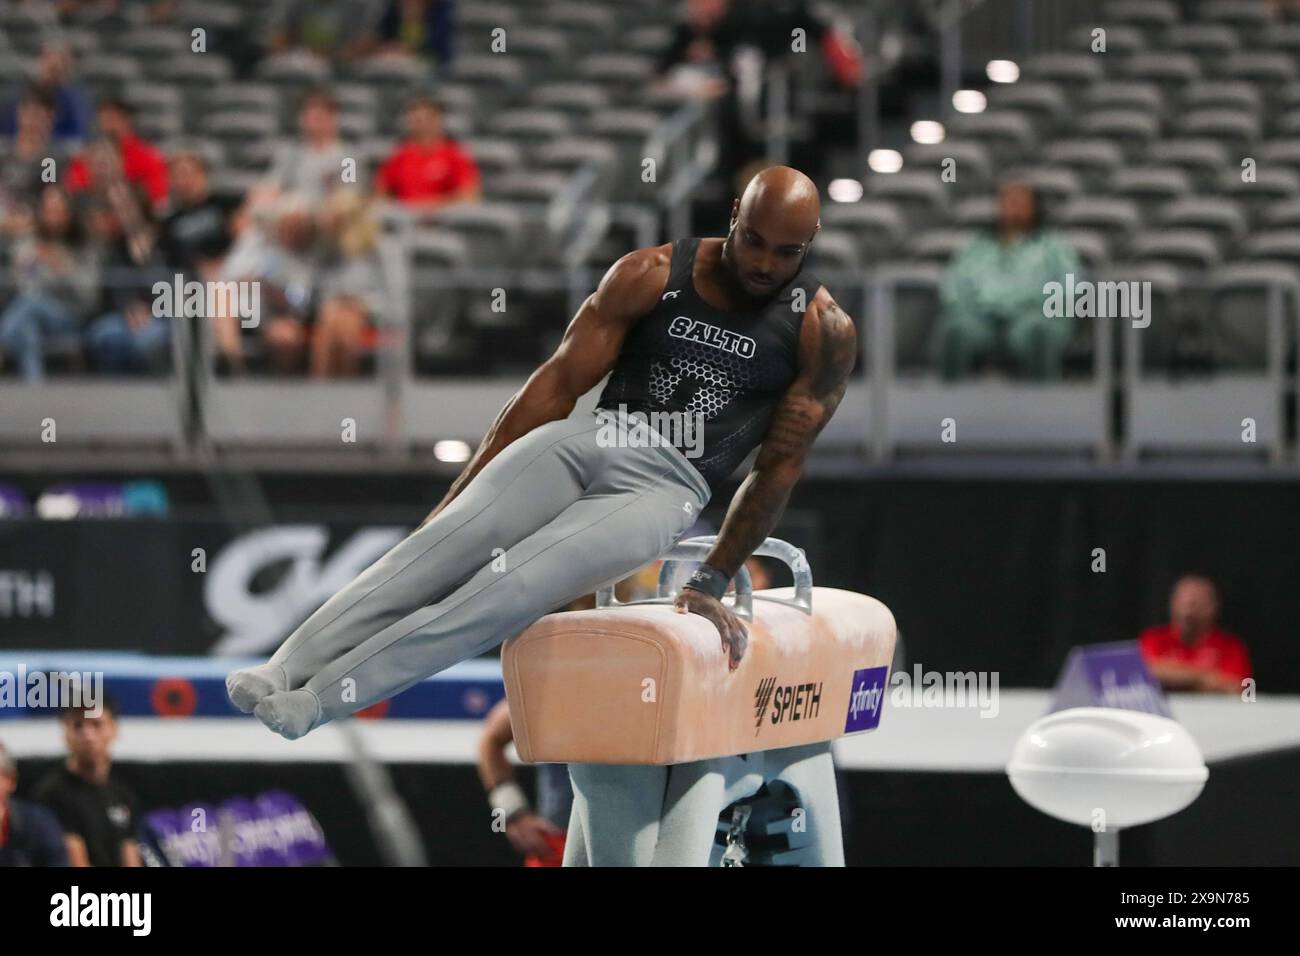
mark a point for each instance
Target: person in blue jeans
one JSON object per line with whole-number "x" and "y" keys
{"x": 127, "y": 337}
{"x": 56, "y": 282}
{"x": 129, "y": 341}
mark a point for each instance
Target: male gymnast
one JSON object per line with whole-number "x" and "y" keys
{"x": 725, "y": 340}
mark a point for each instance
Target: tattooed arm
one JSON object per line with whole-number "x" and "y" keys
{"x": 827, "y": 351}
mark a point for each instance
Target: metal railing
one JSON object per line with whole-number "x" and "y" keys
{"x": 401, "y": 413}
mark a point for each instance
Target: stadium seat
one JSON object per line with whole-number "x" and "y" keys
{"x": 1093, "y": 158}
{"x": 1130, "y": 130}
{"x": 1239, "y": 95}
{"x": 1131, "y": 96}
{"x": 1192, "y": 251}
{"x": 1204, "y": 40}
{"x": 1151, "y": 15}
{"x": 920, "y": 195}
{"x": 1069, "y": 69}
{"x": 1150, "y": 186}
{"x": 1222, "y": 217}
{"x": 877, "y": 226}
{"x": 1115, "y": 218}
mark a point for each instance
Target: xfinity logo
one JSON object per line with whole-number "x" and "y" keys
{"x": 866, "y": 697}
{"x": 694, "y": 330}
{"x": 133, "y": 910}
{"x": 865, "y": 700}
{"x": 1132, "y": 695}
{"x": 790, "y": 702}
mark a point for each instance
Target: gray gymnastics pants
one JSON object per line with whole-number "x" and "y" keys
{"x": 632, "y": 815}
{"x": 562, "y": 511}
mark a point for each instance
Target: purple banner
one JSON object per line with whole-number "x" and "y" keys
{"x": 1108, "y": 675}
{"x": 866, "y": 700}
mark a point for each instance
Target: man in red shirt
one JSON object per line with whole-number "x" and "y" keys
{"x": 428, "y": 169}
{"x": 142, "y": 164}
{"x": 1191, "y": 652}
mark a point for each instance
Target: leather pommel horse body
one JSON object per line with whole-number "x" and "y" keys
{"x": 633, "y": 694}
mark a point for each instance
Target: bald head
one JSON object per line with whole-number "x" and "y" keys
{"x": 772, "y": 225}
{"x": 784, "y": 195}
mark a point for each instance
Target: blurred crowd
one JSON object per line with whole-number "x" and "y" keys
{"x": 93, "y": 215}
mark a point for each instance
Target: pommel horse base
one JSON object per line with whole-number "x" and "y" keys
{"x": 661, "y": 737}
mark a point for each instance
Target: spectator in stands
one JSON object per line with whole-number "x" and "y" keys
{"x": 96, "y": 810}
{"x": 275, "y": 236}
{"x": 770, "y": 26}
{"x": 29, "y": 833}
{"x": 312, "y": 167}
{"x": 428, "y": 169}
{"x": 23, "y": 166}
{"x": 109, "y": 15}
{"x": 196, "y": 233}
{"x": 287, "y": 269}
{"x": 697, "y": 60}
{"x": 70, "y": 103}
{"x": 1191, "y": 652}
{"x": 715, "y": 55}
{"x": 56, "y": 282}
{"x": 142, "y": 164}
{"x": 333, "y": 29}
{"x": 422, "y": 29}
{"x": 992, "y": 294}
{"x": 352, "y": 290}
{"x": 126, "y": 337}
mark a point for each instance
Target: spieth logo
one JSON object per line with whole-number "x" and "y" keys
{"x": 790, "y": 702}
{"x": 865, "y": 699}
{"x": 761, "y": 697}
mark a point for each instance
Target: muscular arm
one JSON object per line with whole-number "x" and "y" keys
{"x": 493, "y": 767}
{"x": 588, "y": 351}
{"x": 78, "y": 855}
{"x": 827, "y": 352}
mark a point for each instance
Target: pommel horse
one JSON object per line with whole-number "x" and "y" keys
{"x": 661, "y": 738}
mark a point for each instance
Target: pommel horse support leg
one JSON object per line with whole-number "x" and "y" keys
{"x": 699, "y": 791}
{"x": 661, "y": 737}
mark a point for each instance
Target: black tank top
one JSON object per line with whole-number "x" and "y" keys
{"x": 724, "y": 369}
